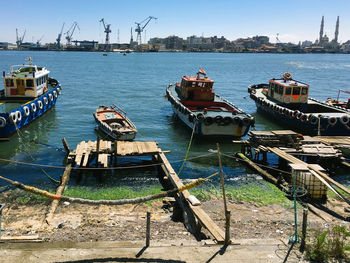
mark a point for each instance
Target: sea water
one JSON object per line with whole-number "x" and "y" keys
{"x": 137, "y": 82}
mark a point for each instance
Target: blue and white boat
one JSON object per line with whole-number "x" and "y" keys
{"x": 287, "y": 101}
{"x": 28, "y": 93}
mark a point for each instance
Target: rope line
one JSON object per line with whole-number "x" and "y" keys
{"x": 137, "y": 200}
{"x": 96, "y": 168}
{"x": 188, "y": 149}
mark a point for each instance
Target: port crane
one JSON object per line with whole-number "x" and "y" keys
{"x": 108, "y": 30}
{"x": 19, "y": 40}
{"x": 140, "y": 27}
{"x": 38, "y": 41}
{"x": 58, "y": 39}
{"x": 70, "y": 32}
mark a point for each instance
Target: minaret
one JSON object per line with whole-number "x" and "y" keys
{"x": 336, "y": 31}
{"x": 321, "y": 30}
{"x": 131, "y": 38}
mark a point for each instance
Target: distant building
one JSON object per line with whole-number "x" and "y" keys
{"x": 306, "y": 43}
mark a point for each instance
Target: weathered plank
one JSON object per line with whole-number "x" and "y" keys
{"x": 59, "y": 191}
{"x": 202, "y": 217}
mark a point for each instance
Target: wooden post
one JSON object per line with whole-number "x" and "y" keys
{"x": 148, "y": 229}
{"x": 65, "y": 145}
{"x": 303, "y": 233}
{"x": 97, "y": 149}
{"x": 1, "y": 207}
{"x": 115, "y": 152}
{"x": 227, "y": 212}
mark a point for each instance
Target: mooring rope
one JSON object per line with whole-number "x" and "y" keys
{"x": 49, "y": 195}
{"x": 31, "y": 156}
{"x": 188, "y": 148}
{"x": 101, "y": 168}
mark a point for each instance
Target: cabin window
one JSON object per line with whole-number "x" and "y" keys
{"x": 9, "y": 82}
{"x": 288, "y": 91}
{"x": 280, "y": 90}
{"x": 296, "y": 91}
{"x": 304, "y": 91}
{"x": 30, "y": 83}
{"x": 37, "y": 82}
{"x": 276, "y": 88}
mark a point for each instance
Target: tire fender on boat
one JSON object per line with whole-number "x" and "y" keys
{"x": 246, "y": 121}
{"x": 313, "y": 119}
{"x": 33, "y": 106}
{"x": 55, "y": 93}
{"x": 19, "y": 116}
{"x": 191, "y": 117}
{"x": 45, "y": 100}
{"x": 281, "y": 110}
{"x": 218, "y": 119}
{"x": 303, "y": 99}
{"x": 59, "y": 91}
{"x": 332, "y": 121}
{"x": 200, "y": 116}
{"x": 26, "y": 111}
{"x": 295, "y": 113}
{"x": 303, "y": 117}
{"x": 344, "y": 119}
{"x": 208, "y": 121}
{"x": 13, "y": 117}
{"x": 51, "y": 97}
{"x": 237, "y": 120}
{"x": 40, "y": 104}
{"x": 227, "y": 120}
{"x": 2, "y": 122}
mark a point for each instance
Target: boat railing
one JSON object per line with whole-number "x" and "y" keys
{"x": 116, "y": 107}
{"x": 22, "y": 66}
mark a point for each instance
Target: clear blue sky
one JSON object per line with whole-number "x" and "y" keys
{"x": 293, "y": 20}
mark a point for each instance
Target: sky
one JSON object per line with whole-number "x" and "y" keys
{"x": 293, "y": 21}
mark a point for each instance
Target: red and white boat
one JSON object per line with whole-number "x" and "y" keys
{"x": 195, "y": 103}
{"x": 114, "y": 123}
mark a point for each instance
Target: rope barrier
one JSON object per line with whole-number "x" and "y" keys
{"x": 49, "y": 195}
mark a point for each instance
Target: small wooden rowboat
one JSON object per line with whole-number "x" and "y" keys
{"x": 114, "y": 123}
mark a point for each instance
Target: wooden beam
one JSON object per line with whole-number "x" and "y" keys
{"x": 59, "y": 191}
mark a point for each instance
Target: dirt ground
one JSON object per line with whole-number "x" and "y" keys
{"x": 82, "y": 223}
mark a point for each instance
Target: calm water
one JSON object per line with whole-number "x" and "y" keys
{"x": 137, "y": 83}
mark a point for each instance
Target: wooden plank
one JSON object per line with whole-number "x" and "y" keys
{"x": 79, "y": 152}
{"x": 204, "y": 219}
{"x": 284, "y": 132}
{"x": 59, "y": 191}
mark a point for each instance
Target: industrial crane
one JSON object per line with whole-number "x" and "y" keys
{"x": 58, "y": 39}
{"x": 70, "y": 32}
{"x": 38, "y": 41}
{"x": 139, "y": 27}
{"x": 19, "y": 40}
{"x": 107, "y": 30}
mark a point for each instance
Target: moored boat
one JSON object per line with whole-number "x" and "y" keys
{"x": 195, "y": 103}
{"x": 114, "y": 123}
{"x": 28, "y": 93}
{"x": 287, "y": 101}
{"x": 338, "y": 102}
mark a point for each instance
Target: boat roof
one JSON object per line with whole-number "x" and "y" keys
{"x": 22, "y": 71}
{"x": 196, "y": 79}
{"x": 289, "y": 82}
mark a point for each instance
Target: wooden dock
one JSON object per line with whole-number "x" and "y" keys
{"x": 104, "y": 154}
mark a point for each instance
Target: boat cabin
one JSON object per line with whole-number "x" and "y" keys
{"x": 287, "y": 90}
{"x": 26, "y": 81}
{"x": 198, "y": 87}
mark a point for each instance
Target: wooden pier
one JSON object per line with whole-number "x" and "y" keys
{"x": 300, "y": 151}
{"x": 104, "y": 154}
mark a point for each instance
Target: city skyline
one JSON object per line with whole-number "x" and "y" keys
{"x": 181, "y": 18}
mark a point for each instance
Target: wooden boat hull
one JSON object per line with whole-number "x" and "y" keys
{"x": 27, "y": 111}
{"x": 332, "y": 121}
{"x": 126, "y": 131}
{"x": 234, "y": 123}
